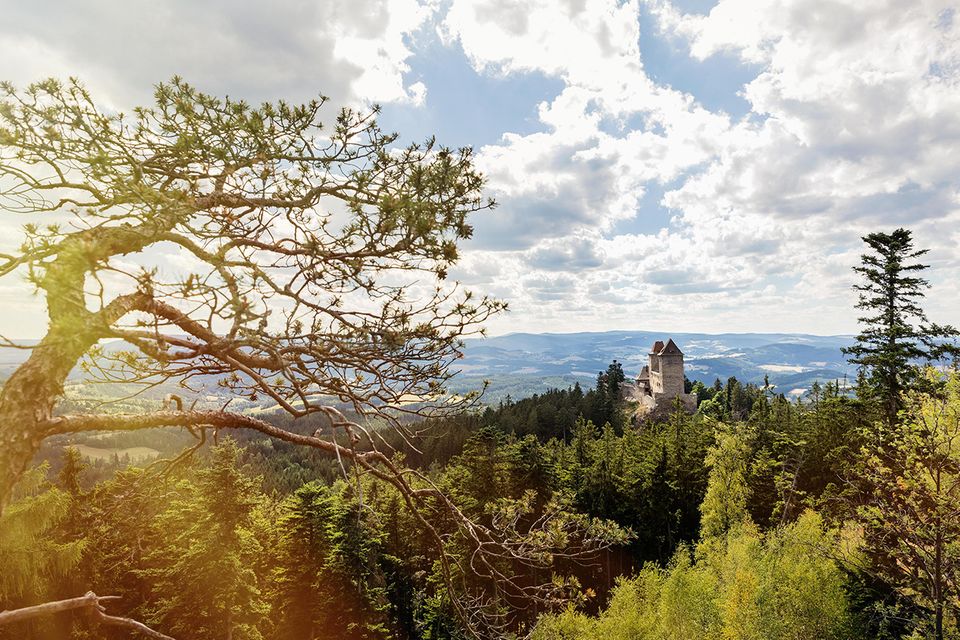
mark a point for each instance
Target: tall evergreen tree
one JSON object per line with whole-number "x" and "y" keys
{"x": 725, "y": 503}
{"x": 895, "y": 331}
{"x": 607, "y": 404}
{"x": 910, "y": 519}
{"x": 203, "y": 583}
{"x": 32, "y": 560}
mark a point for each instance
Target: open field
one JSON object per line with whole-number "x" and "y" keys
{"x": 135, "y": 454}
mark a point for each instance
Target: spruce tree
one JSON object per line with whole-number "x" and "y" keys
{"x": 202, "y": 579}
{"x": 607, "y": 404}
{"x": 724, "y": 505}
{"x": 32, "y": 561}
{"x": 895, "y": 333}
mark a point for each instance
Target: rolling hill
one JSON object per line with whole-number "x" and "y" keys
{"x": 520, "y": 364}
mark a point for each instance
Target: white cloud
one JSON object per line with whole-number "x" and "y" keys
{"x": 588, "y": 169}
{"x": 589, "y": 42}
{"x": 377, "y": 47}
{"x": 857, "y": 130}
{"x": 349, "y": 50}
{"x": 573, "y": 254}
{"x": 853, "y": 126}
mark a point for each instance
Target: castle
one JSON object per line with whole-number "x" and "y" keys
{"x": 662, "y": 380}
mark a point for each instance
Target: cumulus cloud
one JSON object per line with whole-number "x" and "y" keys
{"x": 349, "y": 50}
{"x": 852, "y": 122}
{"x": 543, "y": 288}
{"x": 610, "y": 130}
{"x": 852, "y": 127}
{"x": 855, "y": 123}
{"x": 568, "y": 254}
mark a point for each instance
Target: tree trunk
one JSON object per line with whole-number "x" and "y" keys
{"x": 29, "y": 395}
{"x": 938, "y": 577}
{"x": 28, "y": 398}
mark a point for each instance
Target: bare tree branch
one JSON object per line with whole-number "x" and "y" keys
{"x": 91, "y": 603}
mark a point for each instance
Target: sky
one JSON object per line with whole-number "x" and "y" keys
{"x": 679, "y": 166}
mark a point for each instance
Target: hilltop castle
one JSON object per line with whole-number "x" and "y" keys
{"x": 662, "y": 380}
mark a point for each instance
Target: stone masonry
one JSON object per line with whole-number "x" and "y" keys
{"x": 661, "y": 381}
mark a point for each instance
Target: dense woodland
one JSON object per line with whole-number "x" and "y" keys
{"x": 352, "y": 512}
{"x": 735, "y": 522}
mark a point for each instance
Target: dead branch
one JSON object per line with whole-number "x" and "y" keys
{"x": 90, "y": 602}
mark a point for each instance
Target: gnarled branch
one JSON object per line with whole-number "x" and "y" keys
{"x": 89, "y": 602}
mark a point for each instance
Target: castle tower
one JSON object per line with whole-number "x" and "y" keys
{"x": 655, "y": 356}
{"x": 671, "y": 369}
{"x": 643, "y": 380}
{"x": 662, "y": 382}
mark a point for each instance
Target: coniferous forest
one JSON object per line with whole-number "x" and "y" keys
{"x": 346, "y": 495}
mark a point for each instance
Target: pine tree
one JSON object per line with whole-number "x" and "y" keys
{"x": 895, "y": 331}
{"x": 202, "y": 579}
{"x": 607, "y": 404}
{"x": 32, "y": 560}
{"x": 68, "y": 477}
{"x": 327, "y": 582}
{"x": 725, "y": 503}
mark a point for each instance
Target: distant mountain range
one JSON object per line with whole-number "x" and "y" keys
{"x": 521, "y": 364}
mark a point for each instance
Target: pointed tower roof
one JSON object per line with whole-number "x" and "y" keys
{"x": 671, "y": 349}
{"x": 644, "y": 373}
{"x": 657, "y": 347}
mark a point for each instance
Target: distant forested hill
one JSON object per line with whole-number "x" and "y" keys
{"x": 520, "y": 364}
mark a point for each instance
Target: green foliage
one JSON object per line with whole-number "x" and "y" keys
{"x": 297, "y": 559}
{"x": 911, "y": 485}
{"x": 725, "y": 503}
{"x": 329, "y": 576}
{"x": 31, "y": 557}
{"x": 748, "y": 586}
{"x": 607, "y": 401}
{"x": 650, "y": 480}
{"x": 69, "y": 476}
{"x": 201, "y": 574}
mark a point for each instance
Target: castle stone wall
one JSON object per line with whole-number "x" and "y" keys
{"x": 662, "y": 383}
{"x": 671, "y": 374}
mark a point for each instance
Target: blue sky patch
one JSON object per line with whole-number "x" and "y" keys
{"x": 463, "y": 107}
{"x": 714, "y": 82}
